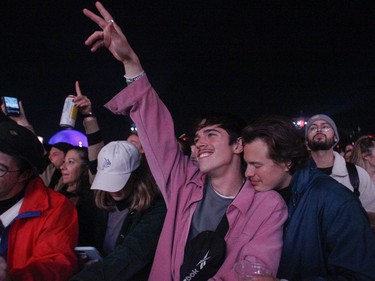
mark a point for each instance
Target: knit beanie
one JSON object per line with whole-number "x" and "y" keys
{"x": 324, "y": 118}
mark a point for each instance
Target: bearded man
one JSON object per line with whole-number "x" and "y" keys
{"x": 321, "y": 137}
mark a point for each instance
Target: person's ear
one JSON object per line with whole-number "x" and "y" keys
{"x": 366, "y": 156}
{"x": 238, "y": 146}
{"x": 288, "y": 165}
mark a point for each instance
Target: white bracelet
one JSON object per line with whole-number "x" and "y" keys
{"x": 130, "y": 80}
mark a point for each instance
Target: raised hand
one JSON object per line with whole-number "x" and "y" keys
{"x": 21, "y": 119}
{"x": 82, "y": 102}
{"x": 112, "y": 37}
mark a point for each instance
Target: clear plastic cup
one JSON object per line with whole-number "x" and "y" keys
{"x": 245, "y": 270}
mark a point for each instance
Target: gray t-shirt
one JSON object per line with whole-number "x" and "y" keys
{"x": 114, "y": 224}
{"x": 209, "y": 212}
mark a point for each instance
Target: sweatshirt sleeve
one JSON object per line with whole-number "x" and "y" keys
{"x": 156, "y": 132}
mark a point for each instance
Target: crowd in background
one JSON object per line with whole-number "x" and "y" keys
{"x": 151, "y": 206}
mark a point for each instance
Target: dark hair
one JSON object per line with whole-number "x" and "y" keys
{"x": 229, "y": 122}
{"x": 284, "y": 141}
{"x": 83, "y": 184}
{"x": 63, "y": 146}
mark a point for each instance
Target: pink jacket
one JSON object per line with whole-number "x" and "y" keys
{"x": 255, "y": 218}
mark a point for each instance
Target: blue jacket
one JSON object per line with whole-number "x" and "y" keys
{"x": 327, "y": 235}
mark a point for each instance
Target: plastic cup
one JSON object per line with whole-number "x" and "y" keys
{"x": 245, "y": 270}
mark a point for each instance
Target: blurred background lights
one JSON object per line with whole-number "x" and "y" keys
{"x": 300, "y": 123}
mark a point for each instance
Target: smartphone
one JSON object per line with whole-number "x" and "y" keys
{"x": 88, "y": 253}
{"x": 12, "y": 108}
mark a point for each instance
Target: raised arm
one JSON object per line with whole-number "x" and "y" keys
{"x": 140, "y": 101}
{"x": 21, "y": 119}
{"x": 112, "y": 37}
{"x": 92, "y": 130}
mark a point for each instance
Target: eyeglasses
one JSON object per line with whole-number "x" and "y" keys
{"x": 4, "y": 170}
{"x": 324, "y": 128}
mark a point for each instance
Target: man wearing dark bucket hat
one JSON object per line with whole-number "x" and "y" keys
{"x": 321, "y": 137}
{"x": 38, "y": 226}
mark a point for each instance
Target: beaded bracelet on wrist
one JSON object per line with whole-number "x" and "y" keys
{"x": 130, "y": 80}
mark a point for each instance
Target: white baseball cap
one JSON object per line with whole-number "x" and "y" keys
{"x": 116, "y": 161}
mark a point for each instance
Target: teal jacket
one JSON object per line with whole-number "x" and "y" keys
{"x": 327, "y": 235}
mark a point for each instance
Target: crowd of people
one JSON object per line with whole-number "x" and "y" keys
{"x": 155, "y": 208}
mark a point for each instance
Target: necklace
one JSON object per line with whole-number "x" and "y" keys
{"x": 229, "y": 196}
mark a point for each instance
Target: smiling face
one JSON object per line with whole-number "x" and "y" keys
{"x": 73, "y": 168}
{"x": 264, "y": 173}
{"x": 213, "y": 151}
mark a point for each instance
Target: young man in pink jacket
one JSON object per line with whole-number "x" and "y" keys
{"x": 196, "y": 199}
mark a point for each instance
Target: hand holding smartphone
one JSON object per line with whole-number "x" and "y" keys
{"x": 11, "y": 104}
{"x": 88, "y": 253}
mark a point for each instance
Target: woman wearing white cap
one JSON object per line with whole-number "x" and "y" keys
{"x": 133, "y": 218}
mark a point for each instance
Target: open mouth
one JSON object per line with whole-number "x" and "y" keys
{"x": 203, "y": 154}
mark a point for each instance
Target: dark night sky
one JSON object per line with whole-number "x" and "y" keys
{"x": 249, "y": 57}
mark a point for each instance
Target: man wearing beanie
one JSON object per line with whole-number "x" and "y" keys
{"x": 321, "y": 137}
{"x": 39, "y": 226}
